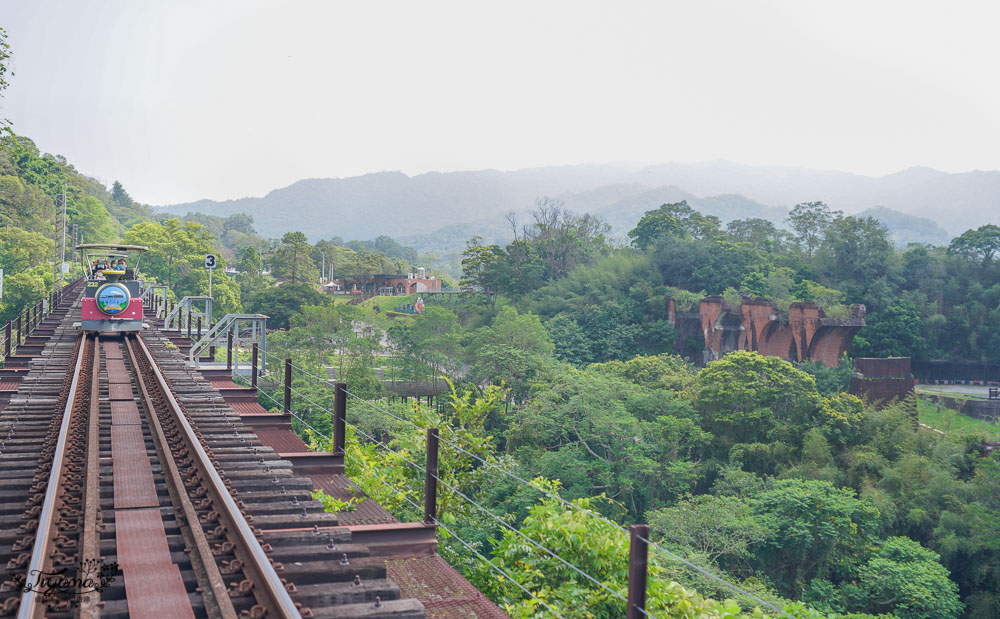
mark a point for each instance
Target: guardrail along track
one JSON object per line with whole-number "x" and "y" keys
{"x": 127, "y": 478}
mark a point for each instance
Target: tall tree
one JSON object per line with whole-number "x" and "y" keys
{"x": 757, "y": 232}
{"x": 747, "y": 397}
{"x": 96, "y": 224}
{"x": 857, "y": 255}
{"x": 482, "y": 267}
{"x": 653, "y": 226}
{"x": 980, "y": 245}
{"x": 292, "y": 262}
{"x": 810, "y": 220}
{"x": 563, "y": 240}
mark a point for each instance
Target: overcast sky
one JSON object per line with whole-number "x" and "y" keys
{"x": 182, "y": 100}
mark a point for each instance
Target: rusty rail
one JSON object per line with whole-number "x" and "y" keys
{"x": 31, "y": 606}
{"x": 268, "y": 587}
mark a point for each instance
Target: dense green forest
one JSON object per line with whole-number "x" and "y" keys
{"x": 765, "y": 473}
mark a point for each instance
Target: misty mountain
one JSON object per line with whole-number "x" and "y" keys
{"x": 905, "y": 229}
{"x": 475, "y": 201}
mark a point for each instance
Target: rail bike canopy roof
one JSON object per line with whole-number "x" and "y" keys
{"x": 90, "y": 252}
{"x": 112, "y": 247}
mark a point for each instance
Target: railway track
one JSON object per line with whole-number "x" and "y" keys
{"x": 128, "y": 488}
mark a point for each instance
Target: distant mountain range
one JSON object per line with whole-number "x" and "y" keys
{"x": 440, "y": 210}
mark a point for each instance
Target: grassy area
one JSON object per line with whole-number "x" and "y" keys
{"x": 952, "y": 393}
{"x": 948, "y": 420}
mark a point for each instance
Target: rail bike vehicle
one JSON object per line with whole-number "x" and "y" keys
{"x": 112, "y": 299}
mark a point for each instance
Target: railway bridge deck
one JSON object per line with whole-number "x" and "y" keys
{"x": 133, "y": 485}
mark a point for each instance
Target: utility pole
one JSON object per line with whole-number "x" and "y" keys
{"x": 62, "y": 257}
{"x": 322, "y": 273}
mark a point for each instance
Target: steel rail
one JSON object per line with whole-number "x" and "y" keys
{"x": 90, "y": 535}
{"x": 210, "y": 580}
{"x": 267, "y": 582}
{"x": 29, "y": 606}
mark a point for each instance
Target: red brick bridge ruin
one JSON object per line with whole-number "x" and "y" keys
{"x": 805, "y": 333}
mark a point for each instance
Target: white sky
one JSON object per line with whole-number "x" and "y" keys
{"x": 182, "y": 100}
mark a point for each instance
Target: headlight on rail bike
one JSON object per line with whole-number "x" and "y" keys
{"x": 112, "y": 299}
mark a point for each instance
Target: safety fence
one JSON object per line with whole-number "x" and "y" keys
{"x": 17, "y": 330}
{"x": 633, "y": 597}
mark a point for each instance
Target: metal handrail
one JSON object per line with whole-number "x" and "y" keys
{"x": 46, "y": 307}
{"x": 186, "y": 303}
{"x": 149, "y": 295}
{"x": 211, "y": 338}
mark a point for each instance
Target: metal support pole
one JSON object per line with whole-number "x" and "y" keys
{"x": 253, "y": 366}
{"x": 62, "y": 252}
{"x": 430, "y": 477}
{"x": 20, "y": 326}
{"x": 288, "y": 387}
{"x": 6, "y": 341}
{"x": 229, "y": 350}
{"x": 199, "y": 328}
{"x": 637, "y": 571}
{"x": 189, "y": 324}
{"x": 236, "y": 346}
{"x": 339, "y": 417}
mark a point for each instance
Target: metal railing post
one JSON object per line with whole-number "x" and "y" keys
{"x": 189, "y": 324}
{"x": 6, "y": 340}
{"x": 19, "y": 327}
{"x": 339, "y": 417}
{"x": 638, "y": 567}
{"x": 229, "y": 350}
{"x": 288, "y": 387}
{"x": 253, "y": 366}
{"x": 199, "y": 328}
{"x": 430, "y": 477}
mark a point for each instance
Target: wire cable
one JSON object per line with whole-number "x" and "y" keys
{"x": 440, "y": 524}
{"x": 670, "y": 554}
{"x": 529, "y": 540}
{"x": 705, "y": 572}
{"x": 477, "y": 505}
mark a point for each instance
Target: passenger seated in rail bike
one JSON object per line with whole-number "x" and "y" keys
{"x": 123, "y": 266}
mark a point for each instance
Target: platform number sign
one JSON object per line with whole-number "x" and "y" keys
{"x": 211, "y": 260}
